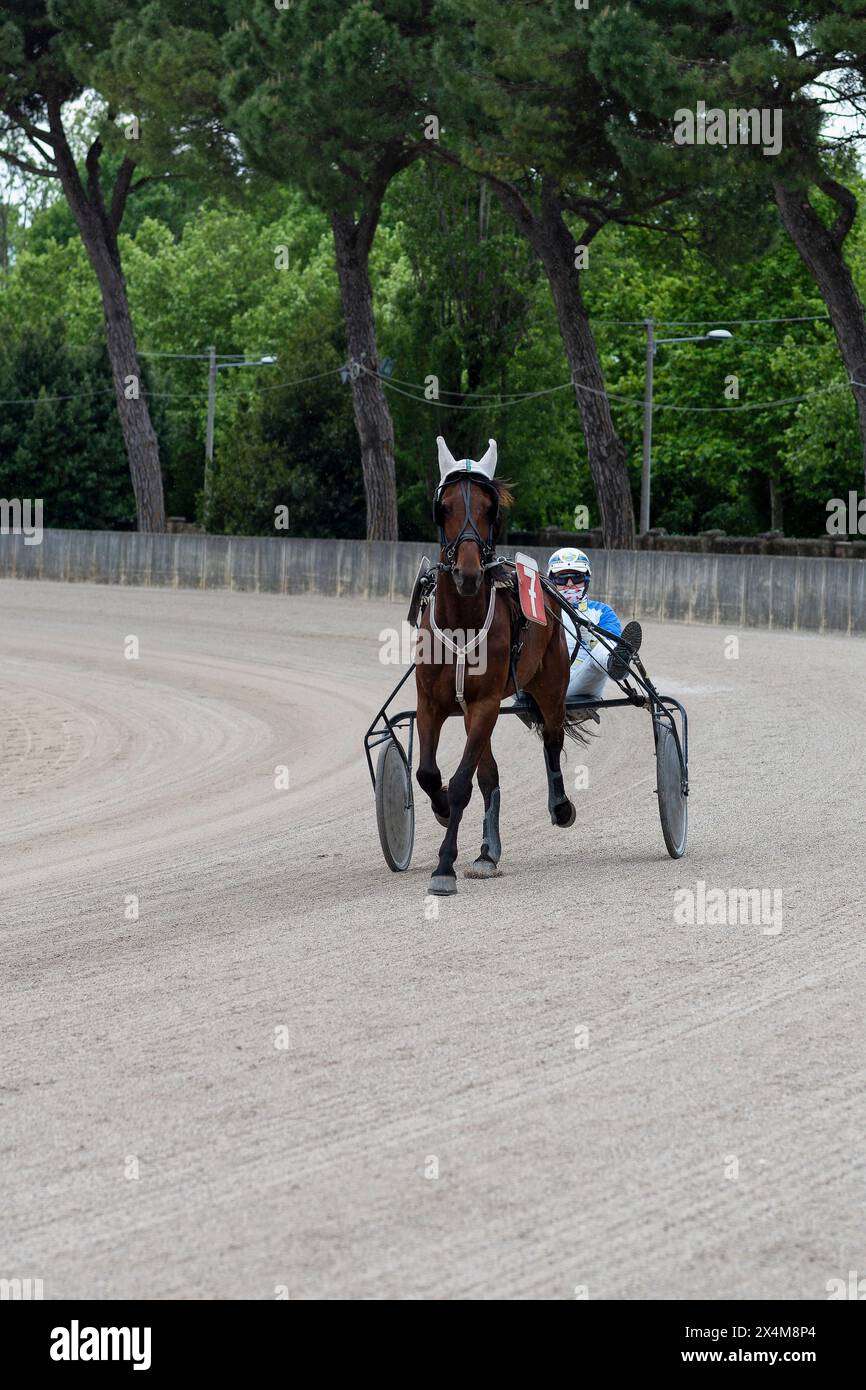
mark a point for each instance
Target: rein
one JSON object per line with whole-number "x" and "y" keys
{"x": 468, "y": 532}
{"x": 607, "y": 640}
{"x": 448, "y": 555}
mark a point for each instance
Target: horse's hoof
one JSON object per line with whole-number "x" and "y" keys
{"x": 482, "y": 868}
{"x": 443, "y": 820}
{"x": 443, "y": 885}
{"x": 563, "y": 815}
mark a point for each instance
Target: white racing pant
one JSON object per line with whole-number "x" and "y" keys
{"x": 588, "y": 673}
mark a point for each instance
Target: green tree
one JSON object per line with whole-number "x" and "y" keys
{"x": 59, "y": 432}
{"x": 46, "y": 58}
{"x": 464, "y": 311}
{"x": 718, "y": 461}
{"x": 522, "y": 108}
{"x": 798, "y": 65}
{"x": 324, "y": 96}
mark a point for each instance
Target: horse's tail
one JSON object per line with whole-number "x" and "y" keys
{"x": 573, "y": 728}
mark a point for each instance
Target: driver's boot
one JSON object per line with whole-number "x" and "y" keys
{"x": 627, "y": 646}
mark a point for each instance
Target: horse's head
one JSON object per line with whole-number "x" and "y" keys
{"x": 466, "y": 510}
{"x": 467, "y": 513}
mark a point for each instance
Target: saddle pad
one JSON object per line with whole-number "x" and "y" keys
{"x": 530, "y": 590}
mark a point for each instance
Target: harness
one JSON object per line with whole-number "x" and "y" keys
{"x": 468, "y": 531}
{"x": 461, "y": 651}
{"x": 487, "y": 548}
{"x": 425, "y": 585}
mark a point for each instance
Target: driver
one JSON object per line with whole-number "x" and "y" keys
{"x": 570, "y": 571}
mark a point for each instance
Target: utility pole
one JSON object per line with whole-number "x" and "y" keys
{"x": 211, "y": 411}
{"x": 647, "y": 427}
{"x": 714, "y": 338}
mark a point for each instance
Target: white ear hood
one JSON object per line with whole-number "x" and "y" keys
{"x": 448, "y": 464}
{"x": 487, "y": 465}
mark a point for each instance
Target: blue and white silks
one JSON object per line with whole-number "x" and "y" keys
{"x": 589, "y": 668}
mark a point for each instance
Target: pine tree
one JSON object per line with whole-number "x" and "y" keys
{"x": 44, "y": 71}
{"x": 794, "y": 67}
{"x": 323, "y": 96}
{"x": 522, "y": 108}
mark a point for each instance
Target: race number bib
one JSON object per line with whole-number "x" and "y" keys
{"x": 529, "y": 588}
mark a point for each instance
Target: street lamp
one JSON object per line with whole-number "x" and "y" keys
{"x": 711, "y": 339}
{"x": 229, "y": 360}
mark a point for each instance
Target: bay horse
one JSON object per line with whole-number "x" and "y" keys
{"x": 467, "y": 511}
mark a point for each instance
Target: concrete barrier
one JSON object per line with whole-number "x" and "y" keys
{"x": 847, "y": 547}
{"x": 790, "y": 592}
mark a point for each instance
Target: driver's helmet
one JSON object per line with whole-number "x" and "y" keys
{"x": 570, "y": 571}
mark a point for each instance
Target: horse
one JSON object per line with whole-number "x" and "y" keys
{"x": 466, "y": 599}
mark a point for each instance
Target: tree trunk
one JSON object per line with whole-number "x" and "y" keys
{"x": 139, "y": 436}
{"x": 555, "y": 247}
{"x": 820, "y": 249}
{"x": 98, "y": 227}
{"x": 606, "y": 451}
{"x": 373, "y": 422}
{"x": 777, "y": 504}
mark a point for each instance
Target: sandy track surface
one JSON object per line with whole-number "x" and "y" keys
{"x": 699, "y": 1135}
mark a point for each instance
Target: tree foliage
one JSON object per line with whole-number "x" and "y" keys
{"x": 59, "y": 435}
{"x": 462, "y": 305}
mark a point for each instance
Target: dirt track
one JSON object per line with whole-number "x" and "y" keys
{"x": 608, "y": 1165}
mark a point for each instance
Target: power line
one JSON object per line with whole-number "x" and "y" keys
{"x": 781, "y": 346}
{"x": 165, "y": 395}
{"x": 498, "y": 395}
{"x": 624, "y": 400}
{"x": 197, "y": 395}
{"x": 300, "y": 380}
{"x": 694, "y": 323}
{"x": 502, "y": 399}
{"x": 690, "y": 323}
{"x": 76, "y": 396}
{"x": 726, "y": 409}
{"x": 187, "y": 356}
{"x": 444, "y": 405}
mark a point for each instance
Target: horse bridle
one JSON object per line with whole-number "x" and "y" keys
{"x": 468, "y": 531}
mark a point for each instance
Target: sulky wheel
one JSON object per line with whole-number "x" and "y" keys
{"x": 395, "y": 808}
{"x": 673, "y": 804}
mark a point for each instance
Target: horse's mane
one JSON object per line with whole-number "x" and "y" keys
{"x": 504, "y": 491}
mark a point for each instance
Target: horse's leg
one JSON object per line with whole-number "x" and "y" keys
{"x": 561, "y": 810}
{"x": 430, "y": 720}
{"x": 487, "y": 863}
{"x": 479, "y": 726}
{"x": 552, "y": 707}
